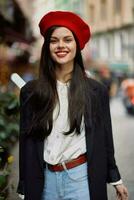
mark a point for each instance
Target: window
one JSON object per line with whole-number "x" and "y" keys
{"x": 103, "y": 11}
{"x": 92, "y": 13}
{"x": 133, "y": 13}
{"x": 118, "y": 45}
{"x": 117, "y": 6}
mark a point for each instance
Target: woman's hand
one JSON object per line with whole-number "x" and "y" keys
{"x": 122, "y": 192}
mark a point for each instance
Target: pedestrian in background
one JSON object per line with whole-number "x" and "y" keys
{"x": 66, "y": 142}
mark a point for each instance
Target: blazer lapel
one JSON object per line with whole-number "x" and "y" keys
{"x": 90, "y": 120}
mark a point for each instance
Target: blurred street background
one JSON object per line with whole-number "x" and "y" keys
{"x": 108, "y": 57}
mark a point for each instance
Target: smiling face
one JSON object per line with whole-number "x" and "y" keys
{"x": 62, "y": 46}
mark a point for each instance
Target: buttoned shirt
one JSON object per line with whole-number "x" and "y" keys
{"x": 58, "y": 146}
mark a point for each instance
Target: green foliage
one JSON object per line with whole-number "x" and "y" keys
{"x": 9, "y": 118}
{"x": 4, "y": 182}
{"x": 9, "y": 129}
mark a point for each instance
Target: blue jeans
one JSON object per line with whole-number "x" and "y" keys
{"x": 69, "y": 184}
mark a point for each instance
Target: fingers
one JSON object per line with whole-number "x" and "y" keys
{"x": 122, "y": 193}
{"x": 125, "y": 193}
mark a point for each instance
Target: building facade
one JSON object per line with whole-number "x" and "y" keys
{"x": 76, "y": 6}
{"x": 112, "y": 23}
{"x": 16, "y": 37}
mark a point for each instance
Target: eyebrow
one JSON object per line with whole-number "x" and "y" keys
{"x": 68, "y": 36}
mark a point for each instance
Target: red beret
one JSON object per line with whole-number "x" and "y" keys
{"x": 69, "y": 20}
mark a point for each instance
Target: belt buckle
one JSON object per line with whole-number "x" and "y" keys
{"x": 63, "y": 164}
{"x": 59, "y": 164}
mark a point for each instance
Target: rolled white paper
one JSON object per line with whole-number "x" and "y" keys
{"x": 18, "y": 80}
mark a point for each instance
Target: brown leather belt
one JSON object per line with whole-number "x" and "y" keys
{"x": 69, "y": 164}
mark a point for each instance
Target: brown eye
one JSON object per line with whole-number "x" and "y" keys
{"x": 53, "y": 41}
{"x": 68, "y": 40}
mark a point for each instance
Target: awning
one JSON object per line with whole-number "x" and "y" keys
{"x": 119, "y": 66}
{"x": 11, "y": 35}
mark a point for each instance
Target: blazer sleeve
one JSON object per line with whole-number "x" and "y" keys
{"x": 113, "y": 174}
{"x": 24, "y": 115}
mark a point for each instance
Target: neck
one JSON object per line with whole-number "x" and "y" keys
{"x": 64, "y": 72}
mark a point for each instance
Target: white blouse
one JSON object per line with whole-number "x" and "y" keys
{"x": 59, "y": 147}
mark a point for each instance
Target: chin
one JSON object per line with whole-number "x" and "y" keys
{"x": 63, "y": 62}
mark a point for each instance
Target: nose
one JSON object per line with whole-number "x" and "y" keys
{"x": 61, "y": 44}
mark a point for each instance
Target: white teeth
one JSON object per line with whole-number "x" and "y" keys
{"x": 61, "y": 53}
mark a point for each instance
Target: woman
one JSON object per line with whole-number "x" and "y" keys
{"x": 66, "y": 145}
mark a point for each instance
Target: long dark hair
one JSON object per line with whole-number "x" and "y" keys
{"x": 45, "y": 93}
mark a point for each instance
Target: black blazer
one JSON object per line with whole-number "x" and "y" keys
{"x": 102, "y": 167}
